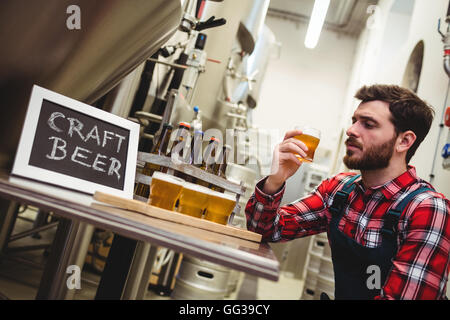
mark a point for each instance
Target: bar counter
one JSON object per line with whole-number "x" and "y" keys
{"x": 75, "y": 207}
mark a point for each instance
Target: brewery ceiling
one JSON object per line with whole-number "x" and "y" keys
{"x": 344, "y": 16}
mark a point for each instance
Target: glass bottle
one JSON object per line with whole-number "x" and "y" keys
{"x": 160, "y": 148}
{"x": 209, "y": 159}
{"x": 195, "y": 153}
{"x": 181, "y": 139}
{"x": 221, "y": 166}
{"x": 196, "y": 149}
{"x": 197, "y": 120}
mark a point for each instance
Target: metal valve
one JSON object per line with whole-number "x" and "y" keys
{"x": 446, "y": 151}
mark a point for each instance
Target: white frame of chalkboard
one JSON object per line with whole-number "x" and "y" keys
{"x": 23, "y": 169}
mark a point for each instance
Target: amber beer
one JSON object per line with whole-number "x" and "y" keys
{"x": 193, "y": 199}
{"x": 310, "y": 137}
{"x": 220, "y": 206}
{"x": 165, "y": 190}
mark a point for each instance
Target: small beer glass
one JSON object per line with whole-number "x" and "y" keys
{"x": 310, "y": 137}
{"x": 165, "y": 190}
{"x": 220, "y": 206}
{"x": 193, "y": 199}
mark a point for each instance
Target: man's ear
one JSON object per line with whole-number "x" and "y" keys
{"x": 405, "y": 140}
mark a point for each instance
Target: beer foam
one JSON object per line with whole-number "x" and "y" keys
{"x": 196, "y": 187}
{"x": 222, "y": 195}
{"x": 167, "y": 177}
{"x": 313, "y": 132}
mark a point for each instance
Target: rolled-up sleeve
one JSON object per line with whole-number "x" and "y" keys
{"x": 304, "y": 217}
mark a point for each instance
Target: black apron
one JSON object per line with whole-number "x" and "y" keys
{"x": 351, "y": 261}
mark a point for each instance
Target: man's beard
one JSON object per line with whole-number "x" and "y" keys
{"x": 376, "y": 157}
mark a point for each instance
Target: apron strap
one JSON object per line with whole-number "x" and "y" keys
{"x": 390, "y": 225}
{"x": 341, "y": 197}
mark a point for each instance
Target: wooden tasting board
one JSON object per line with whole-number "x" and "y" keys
{"x": 152, "y": 211}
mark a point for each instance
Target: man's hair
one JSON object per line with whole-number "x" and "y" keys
{"x": 408, "y": 111}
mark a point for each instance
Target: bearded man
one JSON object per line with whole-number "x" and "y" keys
{"x": 386, "y": 218}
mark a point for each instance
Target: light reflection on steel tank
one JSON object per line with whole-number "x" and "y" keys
{"x": 38, "y": 48}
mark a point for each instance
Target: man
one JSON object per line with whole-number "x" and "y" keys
{"x": 385, "y": 218}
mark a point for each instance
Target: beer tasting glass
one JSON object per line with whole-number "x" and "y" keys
{"x": 310, "y": 137}
{"x": 165, "y": 190}
{"x": 193, "y": 199}
{"x": 220, "y": 206}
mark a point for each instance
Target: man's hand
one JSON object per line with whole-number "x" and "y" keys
{"x": 284, "y": 162}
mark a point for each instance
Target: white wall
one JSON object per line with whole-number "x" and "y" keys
{"x": 384, "y": 60}
{"x": 316, "y": 86}
{"x": 305, "y": 86}
{"x": 381, "y": 60}
{"x": 432, "y": 86}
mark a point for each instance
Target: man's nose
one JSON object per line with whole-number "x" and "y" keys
{"x": 351, "y": 131}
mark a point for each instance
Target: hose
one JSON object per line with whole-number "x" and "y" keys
{"x": 441, "y": 127}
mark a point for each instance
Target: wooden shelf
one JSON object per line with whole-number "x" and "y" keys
{"x": 144, "y": 208}
{"x": 192, "y": 171}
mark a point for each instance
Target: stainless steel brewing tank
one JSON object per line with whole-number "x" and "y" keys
{"x": 219, "y": 46}
{"x": 223, "y": 43}
{"x": 250, "y": 29}
{"x": 253, "y": 66}
{"x": 37, "y": 47}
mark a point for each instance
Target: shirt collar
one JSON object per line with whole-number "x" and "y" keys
{"x": 390, "y": 188}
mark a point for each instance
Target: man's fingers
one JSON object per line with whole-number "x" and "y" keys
{"x": 292, "y": 147}
{"x": 294, "y": 159}
{"x": 292, "y": 133}
{"x": 297, "y": 142}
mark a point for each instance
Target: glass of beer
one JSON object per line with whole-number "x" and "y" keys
{"x": 311, "y": 137}
{"x": 220, "y": 206}
{"x": 164, "y": 190}
{"x": 193, "y": 199}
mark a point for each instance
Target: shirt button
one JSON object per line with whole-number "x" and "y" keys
{"x": 259, "y": 207}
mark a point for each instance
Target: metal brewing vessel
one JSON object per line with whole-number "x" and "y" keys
{"x": 114, "y": 37}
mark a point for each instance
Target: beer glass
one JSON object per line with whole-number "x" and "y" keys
{"x": 311, "y": 137}
{"x": 193, "y": 199}
{"x": 220, "y": 206}
{"x": 165, "y": 190}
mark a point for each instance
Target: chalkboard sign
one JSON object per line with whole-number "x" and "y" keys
{"x": 74, "y": 145}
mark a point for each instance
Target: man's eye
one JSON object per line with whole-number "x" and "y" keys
{"x": 368, "y": 125}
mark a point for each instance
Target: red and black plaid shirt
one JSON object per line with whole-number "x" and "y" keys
{"x": 421, "y": 266}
